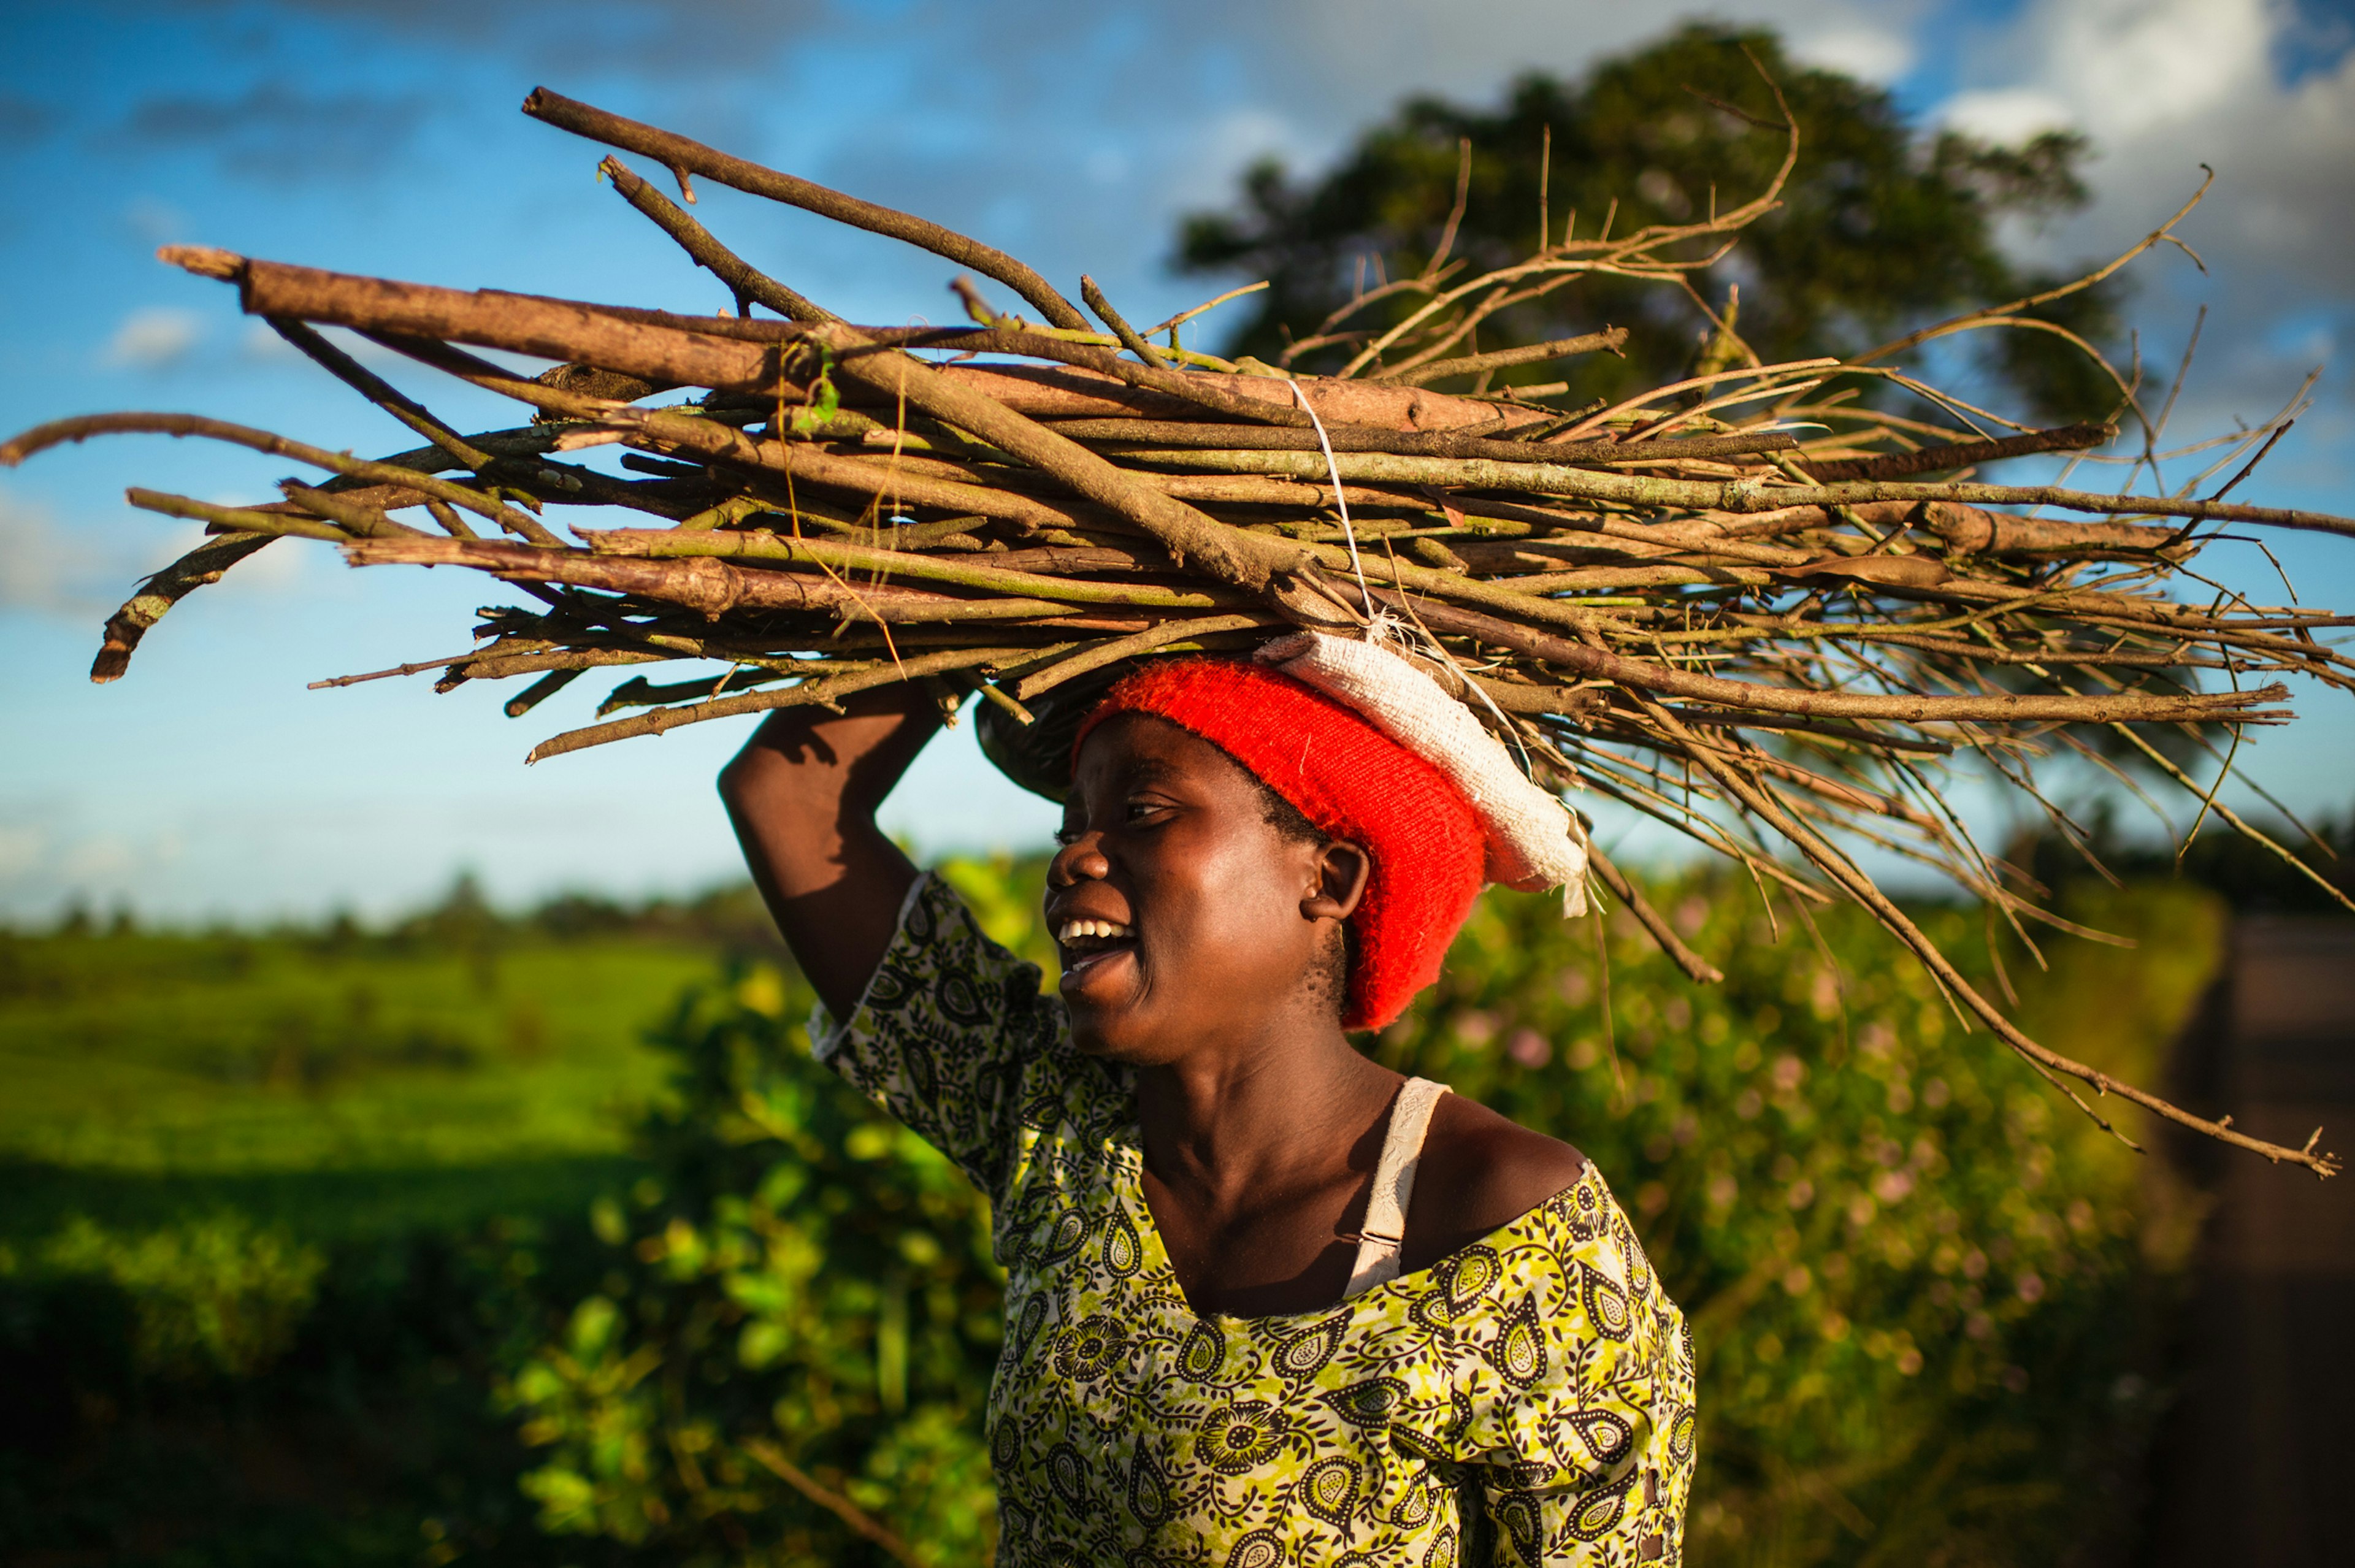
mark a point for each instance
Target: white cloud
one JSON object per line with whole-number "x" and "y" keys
{"x": 102, "y": 859}
{"x": 2163, "y": 87}
{"x": 2136, "y": 65}
{"x": 156, "y": 221}
{"x": 1872, "y": 54}
{"x": 1223, "y": 146}
{"x": 81, "y": 574}
{"x": 2008, "y": 115}
{"x": 259, "y": 343}
{"x": 39, "y": 570}
{"x": 154, "y": 337}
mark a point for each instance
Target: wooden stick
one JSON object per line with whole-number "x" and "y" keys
{"x": 1245, "y": 559}
{"x": 750, "y": 284}
{"x": 711, "y": 588}
{"x": 685, "y": 157}
{"x": 1610, "y": 341}
{"x": 1149, "y": 434}
{"x": 823, "y": 692}
{"x": 205, "y": 564}
{"x": 1737, "y": 496}
{"x": 1594, "y": 663}
{"x": 58, "y": 432}
{"x": 666, "y": 353}
{"x": 1965, "y": 453}
{"x": 973, "y": 571}
{"x": 1695, "y": 968}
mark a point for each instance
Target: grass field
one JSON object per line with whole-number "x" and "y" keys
{"x": 340, "y": 1086}
{"x": 256, "y": 1192}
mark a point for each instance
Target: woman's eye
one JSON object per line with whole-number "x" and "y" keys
{"x": 1066, "y": 837}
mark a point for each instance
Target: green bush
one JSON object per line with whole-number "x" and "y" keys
{"x": 790, "y": 1354}
{"x": 218, "y": 1294}
{"x": 1926, "y": 1290}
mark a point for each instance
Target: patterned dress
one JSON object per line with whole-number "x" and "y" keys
{"x": 1529, "y": 1398}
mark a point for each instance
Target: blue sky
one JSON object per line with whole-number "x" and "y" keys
{"x": 384, "y": 137}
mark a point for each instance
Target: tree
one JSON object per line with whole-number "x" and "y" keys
{"x": 1879, "y": 230}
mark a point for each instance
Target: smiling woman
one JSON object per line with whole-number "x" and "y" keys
{"x": 1267, "y": 1301}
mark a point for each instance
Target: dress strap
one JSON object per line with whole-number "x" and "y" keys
{"x": 1384, "y": 1230}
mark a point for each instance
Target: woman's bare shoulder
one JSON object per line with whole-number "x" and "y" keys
{"x": 1479, "y": 1171}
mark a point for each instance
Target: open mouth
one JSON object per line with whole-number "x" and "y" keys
{"x": 1089, "y": 942}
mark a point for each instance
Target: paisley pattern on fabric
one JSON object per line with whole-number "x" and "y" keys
{"x": 1527, "y": 1400}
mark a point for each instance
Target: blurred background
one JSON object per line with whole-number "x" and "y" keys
{"x": 407, "y": 1156}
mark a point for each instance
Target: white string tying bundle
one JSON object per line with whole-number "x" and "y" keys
{"x": 1374, "y": 617}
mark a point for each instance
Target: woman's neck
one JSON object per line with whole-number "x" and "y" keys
{"x": 1289, "y": 1108}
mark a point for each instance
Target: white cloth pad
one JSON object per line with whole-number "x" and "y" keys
{"x": 1534, "y": 842}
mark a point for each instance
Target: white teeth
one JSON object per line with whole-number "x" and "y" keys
{"x": 1104, "y": 928}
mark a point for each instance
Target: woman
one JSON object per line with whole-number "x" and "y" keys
{"x": 1267, "y": 1302}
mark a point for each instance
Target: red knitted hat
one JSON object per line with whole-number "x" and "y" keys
{"x": 1353, "y": 782}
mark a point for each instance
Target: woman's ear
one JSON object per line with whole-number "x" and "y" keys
{"x": 1341, "y": 869}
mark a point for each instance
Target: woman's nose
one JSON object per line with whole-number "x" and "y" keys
{"x": 1082, "y": 859}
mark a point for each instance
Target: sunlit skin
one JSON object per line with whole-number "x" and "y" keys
{"x": 1261, "y": 1123}
{"x": 1165, "y": 834}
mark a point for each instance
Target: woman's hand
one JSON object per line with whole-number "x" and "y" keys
{"x": 801, "y": 794}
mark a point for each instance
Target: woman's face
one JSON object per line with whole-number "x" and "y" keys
{"x": 1183, "y": 916}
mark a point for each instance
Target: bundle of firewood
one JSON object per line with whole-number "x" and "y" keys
{"x": 1769, "y": 604}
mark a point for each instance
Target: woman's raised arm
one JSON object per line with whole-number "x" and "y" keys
{"x": 801, "y": 794}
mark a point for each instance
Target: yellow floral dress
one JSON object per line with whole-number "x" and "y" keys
{"x": 1526, "y": 1400}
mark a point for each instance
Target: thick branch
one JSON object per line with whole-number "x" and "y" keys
{"x": 711, "y": 588}
{"x": 684, "y": 351}
{"x": 963, "y": 571}
{"x": 1246, "y": 560}
{"x": 1149, "y": 434}
{"x": 1973, "y": 530}
{"x": 687, "y": 157}
{"x": 1045, "y": 392}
